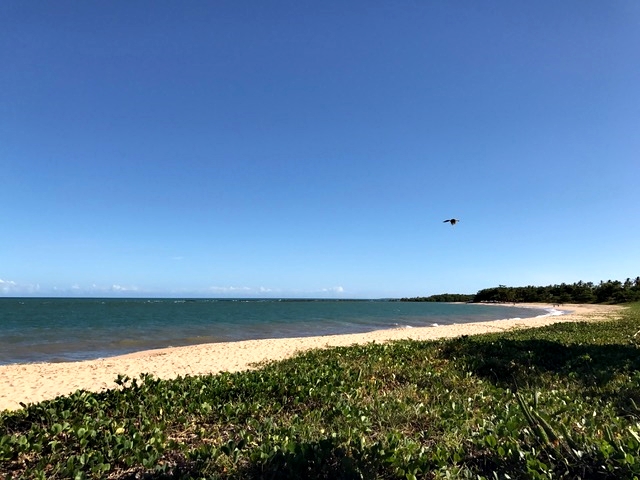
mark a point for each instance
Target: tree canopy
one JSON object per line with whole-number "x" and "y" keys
{"x": 611, "y": 291}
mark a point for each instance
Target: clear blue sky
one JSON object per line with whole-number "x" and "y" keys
{"x": 313, "y": 149}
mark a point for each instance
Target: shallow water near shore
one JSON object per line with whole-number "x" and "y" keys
{"x": 73, "y": 329}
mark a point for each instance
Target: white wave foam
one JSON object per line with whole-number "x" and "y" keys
{"x": 399, "y": 326}
{"x": 551, "y": 312}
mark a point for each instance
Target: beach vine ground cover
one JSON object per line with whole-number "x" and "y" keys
{"x": 561, "y": 401}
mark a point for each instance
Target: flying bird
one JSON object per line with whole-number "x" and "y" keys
{"x": 452, "y": 221}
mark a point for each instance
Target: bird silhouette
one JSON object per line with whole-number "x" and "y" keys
{"x": 452, "y": 221}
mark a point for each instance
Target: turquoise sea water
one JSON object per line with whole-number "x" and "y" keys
{"x": 71, "y": 329}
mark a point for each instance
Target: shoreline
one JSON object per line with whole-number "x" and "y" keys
{"x": 35, "y": 382}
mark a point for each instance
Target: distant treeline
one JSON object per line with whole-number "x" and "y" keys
{"x": 443, "y": 297}
{"x": 611, "y": 291}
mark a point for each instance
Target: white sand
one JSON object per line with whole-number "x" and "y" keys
{"x": 34, "y": 382}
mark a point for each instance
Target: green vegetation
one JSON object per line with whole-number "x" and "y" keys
{"x": 556, "y": 402}
{"x": 611, "y": 291}
{"x": 442, "y": 297}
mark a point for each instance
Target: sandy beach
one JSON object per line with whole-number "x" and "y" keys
{"x": 34, "y": 382}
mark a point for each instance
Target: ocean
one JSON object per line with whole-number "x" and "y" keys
{"x": 74, "y": 329}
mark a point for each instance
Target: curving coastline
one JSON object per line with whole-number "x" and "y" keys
{"x": 30, "y": 383}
